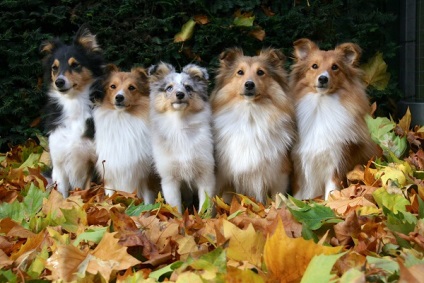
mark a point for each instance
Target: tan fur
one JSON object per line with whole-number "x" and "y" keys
{"x": 345, "y": 82}
{"x": 136, "y": 88}
{"x": 268, "y": 107}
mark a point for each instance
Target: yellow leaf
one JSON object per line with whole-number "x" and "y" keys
{"x": 109, "y": 256}
{"x": 375, "y": 72}
{"x": 287, "y": 258}
{"x": 186, "y": 31}
{"x": 65, "y": 263}
{"x": 244, "y": 245}
{"x": 405, "y": 122}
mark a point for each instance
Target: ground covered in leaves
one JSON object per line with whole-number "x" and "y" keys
{"x": 371, "y": 231}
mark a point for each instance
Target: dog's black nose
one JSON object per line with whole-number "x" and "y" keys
{"x": 323, "y": 79}
{"x": 59, "y": 83}
{"x": 180, "y": 95}
{"x": 119, "y": 98}
{"x": 249, "y": 85}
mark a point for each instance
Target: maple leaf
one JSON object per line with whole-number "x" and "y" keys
{"x": 109, "y": 255}
{"x": 244, "y": 244}
{"x": 375, "y": 72}
{"x": 287, "y": 258}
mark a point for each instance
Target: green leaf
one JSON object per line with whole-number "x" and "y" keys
{"x": 313, "y": 215}
{"x": 375, "y": 72}
{"x": 93, "y": 235}
{"x": 352, "y": 275}
{"x": 8, "y": 276}
{"x": 39, "y": 264}
{"x": 75, "y": 217}
{"x": 27, "y": 209}
{"x": 206, "y": 210}
{"x": 136, "y": 210}
{"x": 319, "y": 269}
{"x": 385, "y": 263}
{"x": 244, "y": 21}
{"x": 166, "y": 271}
{"x": 186, "y": 31}
{"x": 381, "y": 130}
{"x": 393, "y": 202}
{"x": 420, "y": 208}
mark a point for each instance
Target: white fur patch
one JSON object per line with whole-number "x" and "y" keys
{"x": 250, "y": 147}
{"x": 183, "y": 151}
{"x": 324, "y": 126}
{"x": 71, "y": 154}
{"x": 123, "y": 142}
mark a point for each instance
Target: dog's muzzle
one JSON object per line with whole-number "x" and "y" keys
{"x": 62, "y": 84}
{"x": 322, "y": 82}
{"x": 249, "y": 88}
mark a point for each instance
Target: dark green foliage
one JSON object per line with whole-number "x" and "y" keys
{"x": 140, "y": 32}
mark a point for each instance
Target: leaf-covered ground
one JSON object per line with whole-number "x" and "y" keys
{"x": 371, "y": 231}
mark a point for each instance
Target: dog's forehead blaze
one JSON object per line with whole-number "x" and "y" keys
{"x": 72, "y": 61}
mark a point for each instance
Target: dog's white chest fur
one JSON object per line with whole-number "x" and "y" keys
{"x": 248, "y": 138}
{"x": 123, "y": 142}
{"x": 71, "y": 152}
{"x": 325, "y": 126}
{"x": 182, "y": 145}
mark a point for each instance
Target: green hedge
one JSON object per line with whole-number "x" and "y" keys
{"x": 141, "y": 32}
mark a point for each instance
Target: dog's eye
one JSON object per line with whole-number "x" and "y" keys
{"x": 314, "y": 66}
{"x": 169, "y": 88}
{"x": 260, "y": 73}
{"x": 75, "y": 65}
{"x": 131, "y": 88}
{"x": 112, "y": 86}
{"x": 240, "y": 72}
{"x": 55, "y": 68}
{"x": 188, "y": 88}
{"x": 334, "y": 67}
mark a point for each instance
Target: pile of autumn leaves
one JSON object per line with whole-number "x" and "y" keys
{"x": 373, "y": 230}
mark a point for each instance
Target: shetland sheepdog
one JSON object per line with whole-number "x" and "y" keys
{"x": 182, "y": 142}
{"x": 70, "y": 71}
{"x": 253, "y": 124}
{"x": 122, "y": 137}
{"x": 331, "y": 104}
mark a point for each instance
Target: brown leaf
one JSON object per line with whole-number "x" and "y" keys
{"x": 413, "y": 274}
{"x": 109, "y": 255}
{"x": 201, "y": 19}
{"x": 347, "y": 230}
{"x": 66, "y": 263}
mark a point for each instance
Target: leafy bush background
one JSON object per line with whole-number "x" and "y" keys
{"x": 141, "y": 32}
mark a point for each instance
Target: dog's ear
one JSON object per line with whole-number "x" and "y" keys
{"x": 303, "y": 47}
{"x": 49, "y": 46}
{"x": 110, "y": 68}
{"x": 229, "y": 56}
{"x": 351, "y": 52}
{"x": 274, "y": 56}
{"x": 87, "y": 40}
{"x": 140, "y": 72}
{"x": 159, "y": 71}
{"x": 196, "y": 72}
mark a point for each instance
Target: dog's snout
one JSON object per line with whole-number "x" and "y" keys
{"x": 119, "y": 98}
{"x": 60, "y": 83}
{"x": 323, "y": 79}
{"x": 249, "y": 85}
{"x": 180, "y": 95}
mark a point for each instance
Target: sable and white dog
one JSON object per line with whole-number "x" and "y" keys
{"x": 331, "y": 104}
{"x": 122, "y": 137}
{"x": 253, "y": 121}
{"x": 70, "y": 70}
{"x": 181, "y": 131}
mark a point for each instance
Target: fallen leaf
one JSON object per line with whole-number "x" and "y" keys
{"x": 375, "y": 72}
{"x": 186, "y": 31}
{"x": 287, "y": 258}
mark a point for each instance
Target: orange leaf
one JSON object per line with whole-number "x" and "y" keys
{"x": 287, "y": 258}
{"x": 109, "y": 256}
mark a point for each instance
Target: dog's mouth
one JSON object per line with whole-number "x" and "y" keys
{"x": 179, "y": 105}
{"x": 120, "y": 105}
